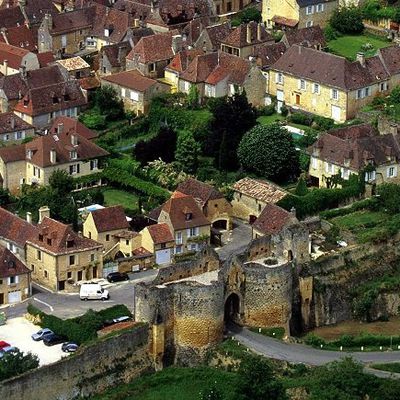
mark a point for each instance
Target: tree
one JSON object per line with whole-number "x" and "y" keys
{"x": 161, "y": 146}
{"x": 109, "y": 103}
{"x": 269, "y": 150}
{"x": 212, "y": 394}
{"x": 187, "y": 152}
{"x": 232, "y": 118}
{"x": 347, "y": 20}
{"x": 389, "y": 196}
{"x": 247, "y": 15}
{"x": 256, "y": 381}
{"x": 61, "y": 182}
{"x": 301, "y": 188}
{"x": 193, "y": 96}
{"x": 15, "y": 362}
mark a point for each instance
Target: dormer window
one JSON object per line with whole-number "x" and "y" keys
{"x": 40, "y": 237}
{"x": 73, "y": 155}
{"x": 26, "y": 102}
{"x": 188, "y": 216}
{"x": 66, "y": 97}
{"x": 29, "y": 154}
{"x": 55, "y": 100}
{"x": 49, "y": 241}
{"x": 70, "y": 243}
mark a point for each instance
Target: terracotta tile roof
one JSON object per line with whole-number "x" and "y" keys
{"x": 260, "y": 190}
{"x": 200, "y": 68}
{"x": 20, "y": 36}
{"x": 9, "y": 122}
{"x": 73, "y": 63}
{"x": 268, "y": 54}
{"x": 355, "y": 146}
{"x": 12, "y": 54}
{"x": 284, "y": 21}
{"x": 182, "y": 60}
{"x": 310, "y": 37}
{"x": 390, "y": 56}
{"x": 12, "y": 153}
{"x": 160, "y": 233}
{"x": 89, "y": 83}
{"x": 15, "y": 229}
{"x": 58, "y": 238}
{"x": 132, "y": 79}
{"x": 329, "y": 69}
{"x": 43, "y": 100}
{"x": 200, "y": 191}
{"x": 11, "y": 17}
{"x": 141, "y": 252}
{"x": 272, "y": 219}
{"x": 179, "y": 206}
{"x": 192, "y": 31}
{"x": 217, "y": 33}
{"x": 72, "y": 125}
{"x": 116, "y": 53}
{"x": 238, "y": 37}
{"x": 155, "y": 213}
{"x": 153, "y": 48}
{"x": 10, "y": 265}
{"x": 110, "y": 219}
{"x": 37, "y": 9}
{"x": 72, "y": 20}
{"x": 126, "y": 235}
{"x": 45, "y": 58}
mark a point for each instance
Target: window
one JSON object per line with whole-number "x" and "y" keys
{"x": 70, "y": 243}
{"x": 13, "y": 280}
{"x": 320, "y": 7}
{"x": 73, "y": 154}
{"x": 92, "y": 257}
{"x": 330, "y": 168}
{"x": 49, "y": 241}
{"x": 193, "y": 247}
{"x": 80, "y": 275}
{"x": 188, "y": 216}
{"x": 19, "y": 135}
{"x": 69, "y": 275}
{"x": 370, "y": 176}
{"x": 344, "y": 172}
{"x": 72, "y": 260}
{"x": 178, "y": 237}
{"x": 134, "y": 96}
{"x": 314, "y": 162}
{"x": 74, "y": 169}
{"x": 38, "y": 254}
{"x": 178, "y": 249}
{"x": 152, "y": 67}
{"x": 29, "y": 154}
{"x": 94, "y": 164}
{"x": 391, "y": 172}
{"x": 228, "y": 6}
{"x": 46, "y": 274}
{"x": 309, "y": 24}
{"x": 89, "y": 235}
{"x": 335, "y": 94}
{"x": 123, "y": 92}
{"x": 127, "y": 242}
{"x": 33, "y": 267}
{"x": 367, "y": 91}
{"x": 316, "y": 88}
{"x": 310, "y": 10}
{"x": 36, "y": 172}
{"x": 359, "y": 94}
{"x": 107, "y": 237}
{"x": 193, "y": 232}
{"x": 383, "y": 86}
{"x": 163, "y": 245}
{"x": 279, "y": 77}
{"x": 302, "y": 84}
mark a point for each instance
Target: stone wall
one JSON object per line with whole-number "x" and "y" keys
{"x": 91, "y": 370}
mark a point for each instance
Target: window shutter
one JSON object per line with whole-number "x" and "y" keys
{"x": 299, "y": 84}
{"x": 388, "y": 172}
{"x": 8, "y": 281}
{"x": 394, "y": 171}
{"x": 77, "y": 168}
{"x": 17, "y": 279}
{"x": 188, "y": 232}
{"x": 276, "y": 77}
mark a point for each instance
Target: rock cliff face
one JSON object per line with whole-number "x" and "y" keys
{"x": 324, "y": 290}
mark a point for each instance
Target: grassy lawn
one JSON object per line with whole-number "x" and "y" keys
{"x": 269, "y": 119}
{"x": 175, "y": 384}
{"x": 348, "y": 45}
{"x": 391, "y": 367}
{"x": 114, "y": 197}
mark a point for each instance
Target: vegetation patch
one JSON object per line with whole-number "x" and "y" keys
{"x": 277, "y": 333}
{"x": 390, "y": 367}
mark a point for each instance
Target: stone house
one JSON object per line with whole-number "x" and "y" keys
{"x": 135, "y": 90}
{"x": 250, "y": 196}
{"x": 34, "y": 162}
{"x": 211, "y": 37}
{"x": 77, "y": 67}
{"x": 12, "y": 59}
{"x": 350, "y": 150}
{"x": 312, "y": 36}
{"x": 159, "y": 241}
{"x": 112, "y": 58}
{"x": 212, "y": 202}
{"x": 188, "y": 225}
{"x": 328, "y": 85}
{"x": 14, "y": 129}
{"x": 57, "y": 254}
{"x": 230, "y": 6}
{"x": 73, "y": 126}
{"x": 19, "y": 36}
{"x": 103, "y": 224}
{"x": 153, "y": 53}
{"x": 297, "y": 13}
{"x": 15, "y": 278}
{"x": 243, "y": 39}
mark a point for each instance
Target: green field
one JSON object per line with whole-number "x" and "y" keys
{"x": 349, "y": 45}
{"x": 269, "y": 119}
{"x": 113, "y": 197}
{"x": 175, "y": 384}
{"x": 391, "y": 367}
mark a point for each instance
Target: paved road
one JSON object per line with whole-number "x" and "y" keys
{"x": 70, "y": 305}
{"x": 298, "y": 353}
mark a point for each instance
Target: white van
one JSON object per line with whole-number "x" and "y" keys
{"x": 93, "y": 291}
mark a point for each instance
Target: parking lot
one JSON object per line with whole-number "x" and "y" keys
{"x": 17, "y": 332}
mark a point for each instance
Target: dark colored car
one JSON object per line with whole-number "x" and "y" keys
{"x": 69, "y": 347}
{"x": 51, "y": 340}
{"x": 117, "y": 277}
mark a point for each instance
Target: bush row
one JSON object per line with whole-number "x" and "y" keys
{"x": 369, "y": 204}
{"x": 319, "y": 122}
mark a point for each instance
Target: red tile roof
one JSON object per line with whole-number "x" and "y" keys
{"x": 72, "y": 125}
{"x": 10, "y": 265}
{"x": 200, "y": 68}
{"x": 218, "y": 33}
{"x": 58, "y": 238}
{"x": 14, "y": 55}
{"x": 11, "y": 17}
{"x": 310, "y": 37}
{"x": 284, "y": 21}
{"x": 260, "y": 190}
{"x": 182, "y": 60}
{"x": 200, "y": 191}
{"x": 238, "y": 37}
{"x": 20, "y": 36}
{"x": 9, "y": 122}
{"x": 160, "y": 233}
{"x": 268, "y": 54}
{"x": 45, "y": 58}
{"x": 272, "y": 219}
{"x": 132, "y": 79}
{"x": 110, "y": 219}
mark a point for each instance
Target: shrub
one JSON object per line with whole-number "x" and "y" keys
{"x": 93, "y": 119}
{"x": 301, "y": 187}
{"x": 313, "y": 340}
{"x": 324, "y": 124}
{"x": 347, "y": 20}
{"x": 301, "y": 118}
{"x": 395, "y": 95}
{"x": 330, "y": 33}
{"x": 266, "y": 110}
{"x": 16, "y": 362}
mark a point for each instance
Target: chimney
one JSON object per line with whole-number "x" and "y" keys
{"x": 43, "y": 212}
{"x": 176, "y": 43}
{"x": 53, "y": 156}
{"x": 361, "y": 58}
{"x": 74, "y": 140}
{"x": 5, "y": 64}
{"x": 248, "y": 35}
{"x": 60, "y": 128}
{"x": 29, "y": 217}
{"x": 12, "y": 122}
{"x": 259, "y": 32}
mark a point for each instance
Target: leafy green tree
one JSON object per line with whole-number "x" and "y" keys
{"x": 5, "y": 196}
{"x": 347, "y": 20}
{"x": 187, "y": 152}
{"x": 269, "y": 151}
{"x": 193, "y": 96}
{"x": 232, "y": 118}
{"x": 301, "y": 188}
{"x": 16, "y": 362}
{"x": 247, "y": 15}
{"x": 212, "y": 394}
{"x": 389, "y": 196}
{"x": 257, "y": 381}
{"x": 109, "y": 103}
{"x": 61, "y": 182}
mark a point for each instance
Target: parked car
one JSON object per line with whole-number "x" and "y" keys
{"x": 4, "y": 344}
{"x": 51, "y": 340}
{"x": 40, "y": 335}
{"x": 7, "y": 349}
{"x": 93, "y": 291}
{"x": 117, "y": 277}
{"x": 69, "y": 347}
{"x": 124, "y": 318}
